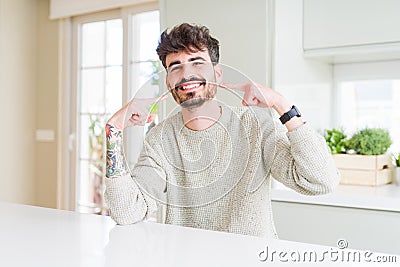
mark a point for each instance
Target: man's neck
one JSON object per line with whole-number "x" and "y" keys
{"x": 202, "y": 117}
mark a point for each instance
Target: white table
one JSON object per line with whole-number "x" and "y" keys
{"x": 33, "y": 236}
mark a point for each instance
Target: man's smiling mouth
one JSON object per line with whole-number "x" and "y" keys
{"x": 190, "y": 86}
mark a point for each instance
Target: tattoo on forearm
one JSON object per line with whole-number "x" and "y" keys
{"x": 116, "y": 165}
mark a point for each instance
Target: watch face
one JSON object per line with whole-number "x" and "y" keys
{"x": 298, "y": 112}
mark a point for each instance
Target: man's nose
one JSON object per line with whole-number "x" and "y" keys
{"x": 187, "y": 71}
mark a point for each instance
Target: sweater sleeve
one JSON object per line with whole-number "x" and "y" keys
{"x": 302, "y": 160}
{"x": 133, "y": 197}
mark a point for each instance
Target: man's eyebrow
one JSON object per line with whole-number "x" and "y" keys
{"x": 174, "y": 63}
{"x": 196, "y": 58}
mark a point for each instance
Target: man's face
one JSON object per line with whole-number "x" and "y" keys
{"x": 192, "y": 77}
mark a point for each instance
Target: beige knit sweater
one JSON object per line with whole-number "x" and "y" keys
{"x": 219, "y": 178}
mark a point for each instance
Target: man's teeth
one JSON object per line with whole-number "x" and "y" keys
{"x": 191, "y": 86}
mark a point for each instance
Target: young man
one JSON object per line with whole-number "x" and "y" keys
{"x": 210, "y": 164}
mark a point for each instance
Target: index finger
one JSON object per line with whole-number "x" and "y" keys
{"x": 234, "y": 86}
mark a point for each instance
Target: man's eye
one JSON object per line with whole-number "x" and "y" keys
{"x": 175, "y": 68}
{"x": 198, "y": 63}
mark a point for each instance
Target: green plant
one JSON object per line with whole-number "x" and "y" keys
{"x": 336, "y": 140}
{"x": 370, "y": 141}
{"x": 397, "y": 159}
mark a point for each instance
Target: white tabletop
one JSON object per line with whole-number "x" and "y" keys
{"x": 33, "y": 236}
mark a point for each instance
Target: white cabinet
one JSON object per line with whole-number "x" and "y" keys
{"x": 372, "y": 230}
{"x": 351, "y": 26}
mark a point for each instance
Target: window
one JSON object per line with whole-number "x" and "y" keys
{"x": 144, "y": 61}
{"x": 100, "y": 94}
{"x": 371, "y": 103}
{"x": 144, "y": 67}
{"x": 367, "y": 95}
{"x": 107, "y": 75}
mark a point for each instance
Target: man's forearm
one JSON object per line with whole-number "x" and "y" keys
{"x": 116, "y": 165}
{"x": 124, "y": 198}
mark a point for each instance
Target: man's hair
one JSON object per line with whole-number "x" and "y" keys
{"x": 189, "y": 38}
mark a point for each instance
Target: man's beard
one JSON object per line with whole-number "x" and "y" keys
{"x": 194, "y": 99}
{"x": 193, "y": 102}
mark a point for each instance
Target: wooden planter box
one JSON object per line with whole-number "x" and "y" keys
{"x": 364, "y": 170}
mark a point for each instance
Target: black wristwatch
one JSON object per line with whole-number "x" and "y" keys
{"x": 293, "y": 112}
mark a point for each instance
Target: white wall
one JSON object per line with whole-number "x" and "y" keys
{"x": 239, "y": 26}
{"x": 306, "y": 83}
{"x": 18, "y": 100}
{"x": 46, "y": 109}
{"x": 29, "y": 80}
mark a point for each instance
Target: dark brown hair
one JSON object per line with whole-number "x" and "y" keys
{"x": 187, "y": 37}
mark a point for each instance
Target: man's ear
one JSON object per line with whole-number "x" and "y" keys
{"x": 218, "y": 73}
{"x": 166, "y": 82}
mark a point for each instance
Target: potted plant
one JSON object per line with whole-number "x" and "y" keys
{"x": 361, "y": 160}
{"x": 370, "y": 141}
{"x": 336, "y": 140}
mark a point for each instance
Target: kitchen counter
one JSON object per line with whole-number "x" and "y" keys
{"x": 384, "y": 197}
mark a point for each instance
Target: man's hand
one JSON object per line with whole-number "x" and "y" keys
{"x": 261, "y": 96}
{"x": 135, "y": 112}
